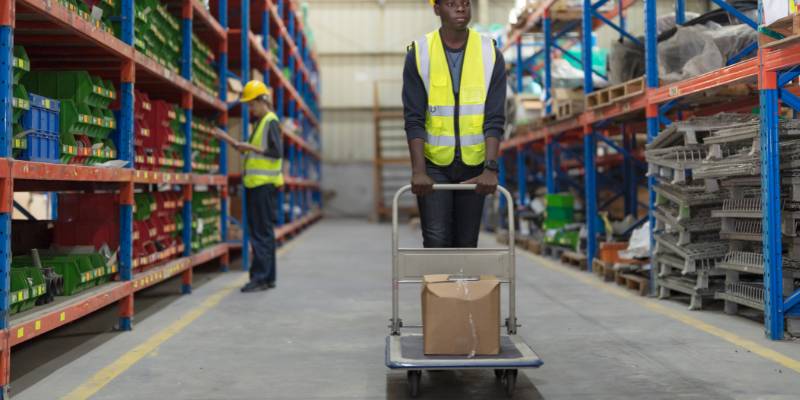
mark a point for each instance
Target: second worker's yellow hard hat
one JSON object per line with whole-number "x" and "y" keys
{"x": 253, "y": 90}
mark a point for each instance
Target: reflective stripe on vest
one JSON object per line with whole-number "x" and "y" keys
{"x": 450, "y": 141}
{"x": 263, "y": 172}
{"x": 476, "y": 75}
{"x": 450, "y": 111}
{"x": 259, "y": 169}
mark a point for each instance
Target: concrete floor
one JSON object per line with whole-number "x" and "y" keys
{"x": 320, "y": 335}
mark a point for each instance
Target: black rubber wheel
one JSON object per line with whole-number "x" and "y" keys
{"x": 510, "y": 381}
{"x": 498, "y": 374}
{"x": 413, "y": 382}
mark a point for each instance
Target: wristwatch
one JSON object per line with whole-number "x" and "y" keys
{"x": 491, "y": 165}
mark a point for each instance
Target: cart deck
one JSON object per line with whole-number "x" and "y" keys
{"x": 406, "y": 352}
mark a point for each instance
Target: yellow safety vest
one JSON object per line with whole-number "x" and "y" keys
{"x": 476, "y": 75}
{"x": 259, "y": 169}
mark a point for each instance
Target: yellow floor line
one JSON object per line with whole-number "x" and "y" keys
{"x": 129, "y": 359}
{"x": 681, "y": 316}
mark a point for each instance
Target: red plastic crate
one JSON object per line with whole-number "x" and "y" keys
{"x": 141, "y": 104}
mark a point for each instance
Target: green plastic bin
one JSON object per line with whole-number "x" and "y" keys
{"x": 20, "y": 102}
{"x": 560, "y": 200}
{"x": 19, "y": 291}
{"x": 75, "y": 85}
{"x": 21, "y": 63}
{"x": 77, "y": 271}
{"x": 560, "y": 214}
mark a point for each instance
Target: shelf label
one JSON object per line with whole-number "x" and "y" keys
{"x": 62, "y": 317}
{"x": 20, "y": 333}
{"x": 674, "y": 91}
{"x": 37, "y": 325}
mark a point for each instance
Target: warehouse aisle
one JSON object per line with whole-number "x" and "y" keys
{"x": 320, "y": 335}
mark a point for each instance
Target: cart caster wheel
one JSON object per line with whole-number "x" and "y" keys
{"x": 510, "y": 381}
{"x": 498, "y": 374}
{"x": 413, "y": 382}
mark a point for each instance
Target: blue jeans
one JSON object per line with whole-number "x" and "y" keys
{"x": 262, "y": 203}
{"x": 451, "y": 218}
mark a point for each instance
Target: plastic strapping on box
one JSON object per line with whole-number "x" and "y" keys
{"x": 465, "y": 289}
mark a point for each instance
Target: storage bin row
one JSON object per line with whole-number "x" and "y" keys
{"x": 83, "y": 9}
{"x": 74, "y": 108}
{"x": 35, "y": 119}
{"x": 206, "y": 208}
{"x": 92, "y": 219}
{"x": 157, "y": 228}
{"x": 203, "y": 73}
{"x": 157, "y": 34}
{"x": 39, "y": 277}
{"x": 205, "y": 148}
{"x": 158, "y": 139}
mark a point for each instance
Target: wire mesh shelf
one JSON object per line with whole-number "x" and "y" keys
{"x": 750, "y": 294}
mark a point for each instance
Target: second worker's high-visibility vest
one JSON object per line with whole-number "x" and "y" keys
{"x": 476, "y": 75}
{"x": 259, "y": 169}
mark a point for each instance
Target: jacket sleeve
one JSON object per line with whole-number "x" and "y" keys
{"x": 274, "y": 143}
{"x": 495, "y": 111}
{"x": 415, "y": 98}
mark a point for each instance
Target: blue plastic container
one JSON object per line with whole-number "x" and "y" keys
{"x": 42, "y": 116}
{"x": 42, "y": 147}
{"x": 42, "y": 127}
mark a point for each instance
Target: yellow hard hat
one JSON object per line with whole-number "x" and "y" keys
{"x": 433, "y": 2}
{"x": 253, "y": 90}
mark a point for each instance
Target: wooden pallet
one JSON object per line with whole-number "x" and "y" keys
{"x": 574, "y": 259}
{"x": 553, "y": 251}
{"x": 534, "y": 246}
{"x": 603, "y": 269}
{"x": 502, "y": 237}
{"x": 606, "y": 97}
{"x": 788, "y": 27}
{"x": 566, "y": 109}
{"x": 632, "y": 281}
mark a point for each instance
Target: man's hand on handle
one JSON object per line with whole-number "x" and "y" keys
{"x": 486, "y": 182}
{"x": 421, "y": 184}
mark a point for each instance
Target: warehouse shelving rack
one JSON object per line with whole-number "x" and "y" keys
{"x": 295, "y": 96}
{"x": 773, "y": 68}
{"x": 57, "y": 38}
{"x": 567, "y": 137}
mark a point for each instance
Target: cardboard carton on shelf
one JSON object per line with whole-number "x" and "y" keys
{"x": 777, "y": 9}
{"x": 461, "y": 316}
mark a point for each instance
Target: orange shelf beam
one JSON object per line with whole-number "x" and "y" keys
{"x": 71, "y": 22}
{"x": 29, "y": 170}
{"x": 725, "y": 76}
{"x": 47, "y": 318}
{"x": 27, "y": 327}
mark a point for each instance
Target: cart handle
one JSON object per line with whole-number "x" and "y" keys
{"x": 454, "y": 187}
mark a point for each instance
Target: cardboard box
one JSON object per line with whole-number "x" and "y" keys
{"x": 461, "y": 317}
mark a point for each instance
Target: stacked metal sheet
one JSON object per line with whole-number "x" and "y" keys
{"x": 732, "y": 170}
{"x": 688, "y": 246}
{"x": 741, "y": 217}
